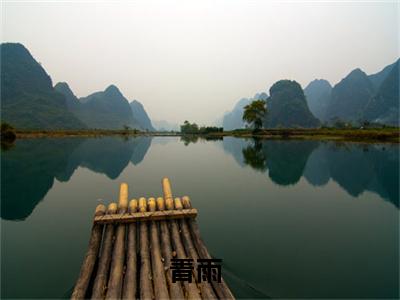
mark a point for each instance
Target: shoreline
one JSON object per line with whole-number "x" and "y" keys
{"x": 384, "y": 135}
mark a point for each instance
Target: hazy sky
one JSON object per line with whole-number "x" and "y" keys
{"x": 195, "y": 59}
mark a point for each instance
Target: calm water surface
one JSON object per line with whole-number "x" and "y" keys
{"x": 290, "y": 219}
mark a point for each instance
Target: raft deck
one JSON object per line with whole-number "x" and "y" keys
{"x": 132, "y": 245}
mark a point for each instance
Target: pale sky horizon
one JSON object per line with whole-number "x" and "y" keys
{"x": 195, "y": 59}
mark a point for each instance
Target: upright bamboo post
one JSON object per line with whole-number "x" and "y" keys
{"x": 100, "y": 282}
{"x": 160, "y": 284}
{"x": 190, "y": 287}
{"x": 221, "y": 289}
{"x": 175, "y": 289}
{"x": 146, "y": 285}
{"x": 90, "y": 259}
{"x": 114, "y": 289}
{"x": 205, "y": 287}
{"x": 130, "y": 285}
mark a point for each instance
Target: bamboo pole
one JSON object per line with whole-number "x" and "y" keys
{"x": 115, "y": 281}
{"x": 160, "y": 284}
{"x": 130, "y": 284}
{"x": 205, "y": 287}
{"x": 100, "y": 282}
{"x": 146, "y": 216}
{"x": 221, "y": 289}
{"x": 167, "y": 189}
{"x": 90, "y": 259}
{"x": 190, "y": 287}
{"x": 175, "y": 289}
{"x": 146, "y": 285}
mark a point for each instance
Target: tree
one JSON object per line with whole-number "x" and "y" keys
{"x": 338, "y": 123}
{"x": 254, "y": 113}
{"x": 189, "y": 128}
{"x": 8, "y": 136}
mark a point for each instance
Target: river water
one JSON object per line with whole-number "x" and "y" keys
{"x": 290, "y": 219}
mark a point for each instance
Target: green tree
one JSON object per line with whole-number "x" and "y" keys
{"x": 254, "y": 113}
{"x": 8, "y": 136}
{"x": 338, "y": 123}
{"x": 189, "y": 128}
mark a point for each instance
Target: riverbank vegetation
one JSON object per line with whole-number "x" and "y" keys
{"x": 191, "y": 132}
{"x": 388, "y": 134}
{"x": 8, "y": 135}
{"x": 193, "y": 128}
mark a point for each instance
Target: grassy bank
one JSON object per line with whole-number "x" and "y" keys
{"x": 366, "y": 135}
{"x": 83, "y": 133}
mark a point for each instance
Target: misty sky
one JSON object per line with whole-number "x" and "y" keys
{"x": 195, "y": 59}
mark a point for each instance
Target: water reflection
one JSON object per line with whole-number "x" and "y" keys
{"x": 283, "y": 159}
{"x": 355, "y": 167}
{"x": 254, "y": 156}
{"x": 303, "y": 232}
{"x": 187, "y": 139}
{"x": 192, "y": 138}
{"x": 29, "y": 169}
{"x": 286, "y": 159}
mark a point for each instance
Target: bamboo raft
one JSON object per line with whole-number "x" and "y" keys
{"x": 131, "y": 247}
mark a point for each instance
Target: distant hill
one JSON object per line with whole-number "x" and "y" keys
{"x": 383, "y": 107}
{"x": 233, "y": 119}
{"x": 358, "y": 97}
{"x": 108, "y": 109}
{"x": 318, "y": 94}
{"x": 141, "y": 115}
{"x": 218, "y": 122}
{"x": 105, "y": 110}
{"x": 28, "y": 99}
{"x": 287, "y": 107}
{"x": 260, "y": 96}
{"x": 163, "y": 125}
{"x": 377, "y": 78}
{"x": 350, "y": 96}
{"x": 71, "y": 100}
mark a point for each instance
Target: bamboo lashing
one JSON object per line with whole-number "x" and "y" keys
{"x": 146, "y": 216}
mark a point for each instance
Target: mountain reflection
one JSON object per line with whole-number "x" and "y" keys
{"x": 355, "y": 167}
{"x": 29, "y": 169}
{"x": 286, "y": 159}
